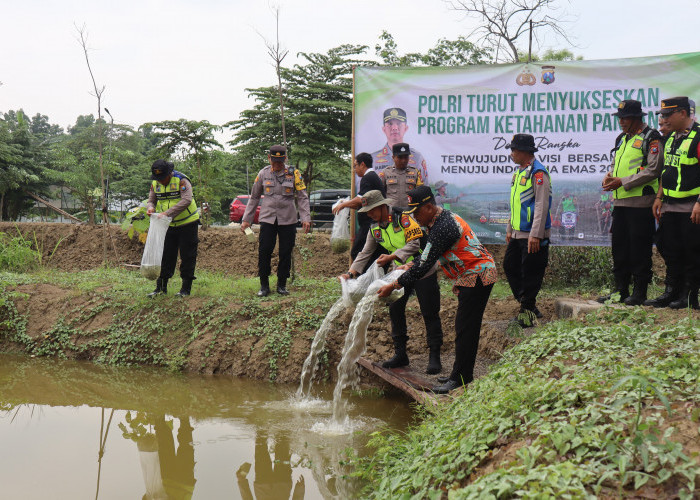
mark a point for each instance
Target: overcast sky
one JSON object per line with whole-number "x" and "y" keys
{"x": 193, "y": 59}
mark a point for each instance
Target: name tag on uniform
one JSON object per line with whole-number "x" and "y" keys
{"x": 392, "y": 181}
{"x": 523, "y": 181}
{"x": 288, "y": 190}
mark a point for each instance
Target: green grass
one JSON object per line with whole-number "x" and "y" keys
{"x": 583, "y": 409}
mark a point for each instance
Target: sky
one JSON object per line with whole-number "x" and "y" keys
{"x": 165, "y": 60}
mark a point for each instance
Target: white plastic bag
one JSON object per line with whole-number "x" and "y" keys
{"x": 340, "y": 236}
{"x": 153, "y": 251}
{"x": 386, "y": 280}
{"x": 354, "y": 289}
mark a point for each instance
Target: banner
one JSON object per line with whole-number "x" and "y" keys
{"x": 459, "y": 120}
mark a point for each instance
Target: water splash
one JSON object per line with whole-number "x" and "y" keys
{"x": 355, "y": 344}
{"x": 311, "y": 363}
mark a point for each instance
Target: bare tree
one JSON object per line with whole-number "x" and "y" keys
{"x": 98, "y": 91}
{"x": 504, "y": 23}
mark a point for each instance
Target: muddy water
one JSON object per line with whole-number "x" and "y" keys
{"x": 78, "y": 430}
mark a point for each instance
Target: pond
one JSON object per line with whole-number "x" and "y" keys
{"x": 79, "y": 430}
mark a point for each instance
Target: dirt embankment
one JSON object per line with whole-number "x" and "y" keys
{"x": 229, "y": 337}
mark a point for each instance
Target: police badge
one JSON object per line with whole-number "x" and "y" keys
{"x": 547, "y": 74}
{"x": 526, "y": 78}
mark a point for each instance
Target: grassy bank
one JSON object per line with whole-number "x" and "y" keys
{"x": 606, "y": 407}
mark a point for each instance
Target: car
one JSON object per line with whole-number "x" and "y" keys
{"x": 321, "y": 203}
{"x": 238, "y": 208}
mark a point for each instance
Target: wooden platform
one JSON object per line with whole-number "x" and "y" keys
{"x": 405, "y": 379}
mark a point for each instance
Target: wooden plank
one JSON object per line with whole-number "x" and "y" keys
{"x": 395, "y": 377}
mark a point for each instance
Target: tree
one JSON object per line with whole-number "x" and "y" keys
{"x": 460, "y": 52}
{"x": 504, "y": 23}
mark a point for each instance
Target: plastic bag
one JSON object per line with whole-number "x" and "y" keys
{"x": 153, "y": 251}
{"x": 354, "y": 289}
{"x": 386, "y": 280}
{"x": 340, "y": 236}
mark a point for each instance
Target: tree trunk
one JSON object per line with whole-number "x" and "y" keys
{"x": 91, "y": 212}
{"x": 2, "y": 204}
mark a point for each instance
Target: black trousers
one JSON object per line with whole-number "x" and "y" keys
{"x": 269, "y": 234}
{"x": 680, "y": 239}
{"x": 525, "y": 271}
{"x": 471, "y": 303}
{"x": 184, "y": 239}
{"x": 632, "y": 241}
{"x": 428, "y": 294}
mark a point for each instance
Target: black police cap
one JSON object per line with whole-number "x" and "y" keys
{"x": 418, "y": 197}
{"x": 278, "y": 151}
{"x": 161, "y": 169}
{"x": 673, "y": 104}
{"x": 401, "y": 149}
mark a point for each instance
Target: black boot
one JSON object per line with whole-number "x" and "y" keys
{"x": 621, "y": 287}
{"x": 186, "y": 288}
{"x": 639, "y": 294}
{"x": 687, "y": 298}
{"x": 282, "y": 286}
{"x": 400, "y": 357}
{"x": 670, "y": 294}
{"x": 434, "y": 365}
{"x": 161, "y": 288}
{"x": 264, "y": 286}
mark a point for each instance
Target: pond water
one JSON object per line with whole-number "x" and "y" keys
{"x": 79, "y": 430}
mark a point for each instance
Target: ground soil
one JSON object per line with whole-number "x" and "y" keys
{"x": 71, "y": 247}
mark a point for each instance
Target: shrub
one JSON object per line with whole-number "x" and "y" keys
{"x": 16, "y": 254}
{"x": 580, "y": 267}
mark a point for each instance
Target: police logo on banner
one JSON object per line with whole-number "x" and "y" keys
{"x": 526, "y": 78}
{"x": 547, "y": 74}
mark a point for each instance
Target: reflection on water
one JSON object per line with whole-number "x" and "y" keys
{"x": 77, "y": 430}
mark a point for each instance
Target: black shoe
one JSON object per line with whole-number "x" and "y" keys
{"x": 400, "y": 359}
{"x": 264, "y": 291}
{"x": 434, "y": 365}
{"x": 282, "y": 290}
{"x": 537, "y": 312}
{"x": 442, "y": 380}
{"x": 183, "y": 293}
{"x": 448, "y": 386}
{"x": 624, "y": 294}
{"x": 161, "y": 288}
{"x": 687, "y": 299}
{"x": 639, "y": 295}
{"x": 670, "y": 294}
{"x": 186, "y": 288}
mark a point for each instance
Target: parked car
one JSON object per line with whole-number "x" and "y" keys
{"x": 322, "y": 202}
{"x": 238, "y": 208}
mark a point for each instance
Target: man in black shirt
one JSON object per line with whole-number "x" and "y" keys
{"x": 369, "y": 181}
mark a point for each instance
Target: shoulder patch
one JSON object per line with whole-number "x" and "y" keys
{"x": 411, "y": 228}
{"x": 539, "y": 177}
{"x": 298, "y": 181}
{"x": 654, "y": 147}
{"x": 377, "y": 234}
{"x": 256, "y": 178}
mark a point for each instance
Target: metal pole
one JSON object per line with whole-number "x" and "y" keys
{"x": 529, "y": 51}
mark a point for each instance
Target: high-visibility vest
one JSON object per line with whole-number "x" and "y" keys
{"x": 399, "y": 231}
{"x": 681, "y": 175}
{"x": 522, "y": 197}
{"x": 631, "y": 158}
{"x": 168, "y": 196}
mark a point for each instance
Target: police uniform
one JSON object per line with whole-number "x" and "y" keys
{"x": 382, "y": 158}
{"x": 680, "y": 237}
{"x": 175, "y": 200}
{"x": 278, "y": 216}
{"x": 398, "y": 182}
{"x": 530, "y": 205}
{"x": 403, "y": 237}
{"x": 637, "y": 163}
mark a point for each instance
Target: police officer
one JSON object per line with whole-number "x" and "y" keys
{"x": 441, "y": 197}
{"x": 171, "y": 196}
{"x": 400, "y": 178}
{"x": 634, "y": 182}
{"x": 528, "y": 230}
{"x": 402, "y": 238}
{"x": 281, "y": 185}
{"x": 395, "y": 127}
{"x": 677, "y": 206}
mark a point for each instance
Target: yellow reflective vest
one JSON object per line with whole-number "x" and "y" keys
{"x": 168, "y": 196}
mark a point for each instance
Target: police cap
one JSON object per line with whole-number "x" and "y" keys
{"x": 418, "y": 197}
{"x": 401, "y": 149}
{"x": 278, "y": 152}
{"x": 394, "y": 114}
{"x": 161, "y": 169}
{"x": 673, "y": 104}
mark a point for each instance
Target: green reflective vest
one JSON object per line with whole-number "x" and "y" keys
{"x": 681, "y": 175}
{"x": 393, "y": 236}
{"x": 168, "y": 196}
{"x": 631, "y": 158}
{"x": 522, "y": 197}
